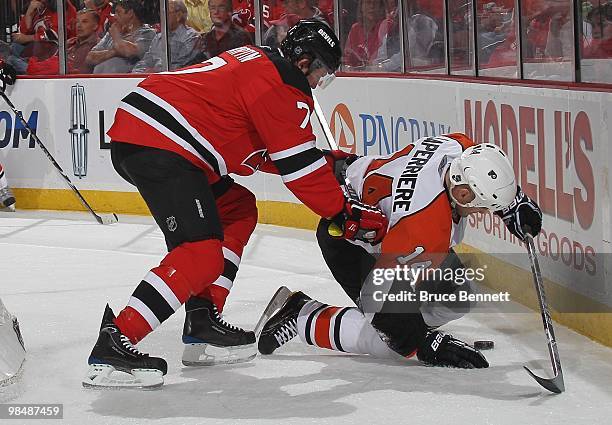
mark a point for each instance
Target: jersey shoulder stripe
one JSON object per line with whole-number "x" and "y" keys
{"x": 156, "y": 116}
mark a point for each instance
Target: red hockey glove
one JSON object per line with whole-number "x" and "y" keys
{"x": 362, "y": 222}
{"x": 339, "y": 162}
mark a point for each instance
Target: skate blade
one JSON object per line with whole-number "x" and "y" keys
{"x": 277, "y": 301}
{"x": 103, "y": 376}
{"x": 209, "y": 355}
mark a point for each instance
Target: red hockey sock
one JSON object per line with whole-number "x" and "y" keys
{"x": 216, "y": 294}
{"x": 132, "y": 324}
{"x": 186, "y": 270}
{"x": 162, "y": 291}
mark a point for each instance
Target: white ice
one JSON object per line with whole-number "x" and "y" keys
{"x": 59, "y": 272}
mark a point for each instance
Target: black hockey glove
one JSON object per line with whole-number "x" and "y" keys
{"x": 8, "y": 75}
{"x": 339, "y": 161}
{"x": 359, "y": 221}
{"x": 441, "y": 349}
{"x": 522, "y": 215}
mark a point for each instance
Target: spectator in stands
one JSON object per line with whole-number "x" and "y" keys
{"x": 432, "y": 8}
{"x": 422, "y": 30}
{"x": 389, "y": 57}
{"x": 600, "y": 18}
{"x": 503, "y": 53}
{"x": 363, "y": 41}
{"x": 181, "y": 41}
{"x": 37, "y": 35}
{"x": 126, "y": 41}
{"x": 490, "y": 24}
{"x": 224, "y": 34}
{"x": 243, "y": 15}
{"x": 278, "y": 29}
{"x": 493, "y": 30}
{"x": 88, "y": 24}
{"x": 549, "y": 29}
{"x": 76, "y": 50}
{"x": 198, "y": 15}
{"x": 104, "y": 9}
{"x": 40, "y": 22}
{"x": 302, "y": 9}
{"x": 560, "y": 39}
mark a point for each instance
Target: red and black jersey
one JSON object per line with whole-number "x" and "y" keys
{"x": 233, "y": 114}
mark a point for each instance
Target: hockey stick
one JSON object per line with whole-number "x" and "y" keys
{"x": 100, "y": 218}
{"x": 555, "y": 384}
{"x": 333, "y": 229}
{"x": 324, "y": 126}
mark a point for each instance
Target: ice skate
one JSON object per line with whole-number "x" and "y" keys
{"x": 211, "y": 340}
{"x": 7, "y": 199}
{"x": 282, "y": 327}
{"x": 116, "y": 363}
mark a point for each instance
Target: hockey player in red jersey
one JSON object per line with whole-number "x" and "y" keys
{"x": 425, "y": 190}
{"x": 177, "y": 137}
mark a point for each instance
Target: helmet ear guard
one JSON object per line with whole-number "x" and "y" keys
{"x": 485, "y": 168}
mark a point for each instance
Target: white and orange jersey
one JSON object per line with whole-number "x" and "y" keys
{"x": 408, "y": 186}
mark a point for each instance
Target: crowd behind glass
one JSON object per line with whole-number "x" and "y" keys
{"x": 555, "y": 40}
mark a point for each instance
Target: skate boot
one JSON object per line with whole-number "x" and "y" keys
{"x": 211, "y": 340}
{"x": 7, "y": 199}
{"x": 282, "y": 327}
{"x": 116, "y": 363}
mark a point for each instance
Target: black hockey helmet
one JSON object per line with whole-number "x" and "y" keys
{"x": 314, "y": 37}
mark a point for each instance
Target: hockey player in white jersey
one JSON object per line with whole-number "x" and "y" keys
{"x": 426, "y": 190}
{"x": 12, "y": 350}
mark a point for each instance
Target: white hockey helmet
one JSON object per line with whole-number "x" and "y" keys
{"x": 488, "y": 172}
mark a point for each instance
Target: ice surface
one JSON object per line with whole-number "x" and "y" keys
{"x": 59, "y": 271}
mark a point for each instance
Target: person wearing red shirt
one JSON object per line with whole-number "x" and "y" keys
{"x": 77, "y": 48}
{"x": 38, "y": 33}
{"x": 104, "y": 9}
{"x": 364, "y": 38}
{"x": 177, "y": 137}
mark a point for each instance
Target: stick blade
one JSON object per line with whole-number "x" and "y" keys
{"x": 107, "y": 218}
{"x": 554, "y": 385}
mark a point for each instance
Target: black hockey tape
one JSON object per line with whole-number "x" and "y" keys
{"x": 483, "y": 345}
